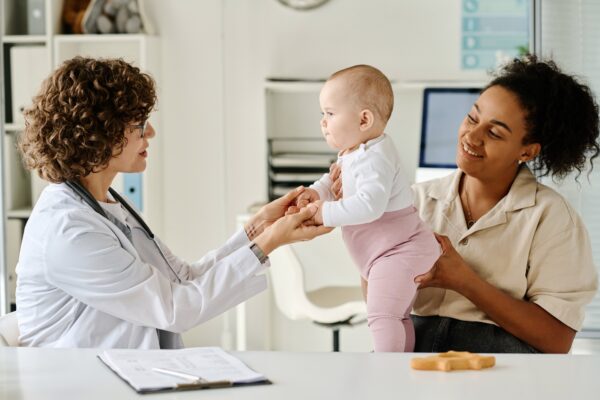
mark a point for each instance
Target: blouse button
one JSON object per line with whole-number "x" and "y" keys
{"x": 464, "y": 242}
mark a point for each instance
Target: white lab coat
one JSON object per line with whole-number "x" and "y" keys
{"x": 82, "y": 283}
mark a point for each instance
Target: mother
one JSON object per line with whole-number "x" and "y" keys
{"x": 516, "y": 270}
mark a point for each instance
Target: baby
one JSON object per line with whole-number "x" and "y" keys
{"x": 380, "y": 226}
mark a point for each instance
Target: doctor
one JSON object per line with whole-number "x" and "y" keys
{"x": 90, "y": 272}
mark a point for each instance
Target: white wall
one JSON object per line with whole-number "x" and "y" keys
{"x": 191, "y": 109}
{"x": 407, "y": 40}
{"x": 216, "y": 56}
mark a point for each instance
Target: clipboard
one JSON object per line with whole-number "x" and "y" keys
{"x": 118, "y": 361}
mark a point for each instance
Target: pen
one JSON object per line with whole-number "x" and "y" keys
{"x": 197, "y": 381}
{"x": 179, "y": 374}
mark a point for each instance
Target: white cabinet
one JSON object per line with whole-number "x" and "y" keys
{"x": 27, "y": 60}
{"x": 297, "y": 152}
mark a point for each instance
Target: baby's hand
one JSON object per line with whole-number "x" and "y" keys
{"x": 307, "y": 197}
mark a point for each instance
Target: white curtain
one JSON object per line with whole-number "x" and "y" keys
{"x": 570, "y": 34}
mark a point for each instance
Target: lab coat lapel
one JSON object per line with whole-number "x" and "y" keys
{"x": 122, "y": 227}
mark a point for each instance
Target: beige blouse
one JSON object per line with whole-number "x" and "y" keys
{"x": 531, "y": 245}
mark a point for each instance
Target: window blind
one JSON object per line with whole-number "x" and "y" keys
{"x": 570, "y": 34}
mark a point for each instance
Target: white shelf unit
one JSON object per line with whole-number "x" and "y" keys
{"x": 9, "y": 127}
{"x": 295, "y": 86}
{"x": 22, "y": 188}
{"x": 25, "y": 39}
{"x": 297, "y": 152}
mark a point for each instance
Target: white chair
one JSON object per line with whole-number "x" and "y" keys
{"x": 9, "y": 330}
{"x": 333, "y": 305}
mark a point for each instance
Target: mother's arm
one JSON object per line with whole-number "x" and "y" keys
{"x": 525, "y": 320}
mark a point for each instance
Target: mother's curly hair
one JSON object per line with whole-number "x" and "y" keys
{"x": 562, "y": 115}
{"x": 78, "y": 120}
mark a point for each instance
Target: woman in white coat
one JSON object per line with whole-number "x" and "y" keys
{"x": 90, "y": 272}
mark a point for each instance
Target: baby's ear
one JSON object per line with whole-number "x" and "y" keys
{"x": 367, "y": 119}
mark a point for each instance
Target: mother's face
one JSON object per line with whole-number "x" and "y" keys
{"x": 490, "y": 138}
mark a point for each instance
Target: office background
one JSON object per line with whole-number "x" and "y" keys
{"x": 215, "y": 58}
{"x": 270, "y": 40}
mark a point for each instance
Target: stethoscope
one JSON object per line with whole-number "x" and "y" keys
{"x": 87, "y": 197}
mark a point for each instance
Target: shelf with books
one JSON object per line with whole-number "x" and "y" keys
{"x": 31, "y": 49}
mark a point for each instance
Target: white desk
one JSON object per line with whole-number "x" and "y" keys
{"x": 27, "y": 373}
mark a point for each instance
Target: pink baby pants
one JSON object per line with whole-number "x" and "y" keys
{"x": 389, "y": 253}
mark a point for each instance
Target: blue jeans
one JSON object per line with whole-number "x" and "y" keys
{"x": 439, "y": 334}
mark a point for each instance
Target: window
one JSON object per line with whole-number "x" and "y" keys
{"x": 570, "y": 34}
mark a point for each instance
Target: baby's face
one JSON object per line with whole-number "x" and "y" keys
{"x": 340, "y": 123}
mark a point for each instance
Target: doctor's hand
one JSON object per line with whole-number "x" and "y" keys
{"x": 290, "y": 229}
{"x": 450, "y": 271}
{"x": 335, "y": 174}
{"x": 271, "y": 212}
{"x": 317, "y": 218}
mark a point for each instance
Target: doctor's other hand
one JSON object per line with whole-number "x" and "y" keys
{"x": 335, "y": 174}
{"x": 271, "y": 212}
{"x": 290, "y": 229}
{"x": 450, "y": 271}
{"x": 317, "y": 218}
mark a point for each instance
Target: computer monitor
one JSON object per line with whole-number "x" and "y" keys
{"x": 443, "y": 112}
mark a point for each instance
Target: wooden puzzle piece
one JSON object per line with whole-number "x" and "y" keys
{"x": 453, "y": 360}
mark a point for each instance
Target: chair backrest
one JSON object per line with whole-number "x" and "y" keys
{"x": 307, "y": 266}
{"x": 287, "y": 282}
{"x": 326, "y": 262}
{"x": 9, "y": 330}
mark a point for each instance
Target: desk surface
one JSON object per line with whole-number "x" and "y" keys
{"x": 28, "y": 373}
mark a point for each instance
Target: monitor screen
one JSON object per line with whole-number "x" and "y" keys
{"x": 443, "y": 112}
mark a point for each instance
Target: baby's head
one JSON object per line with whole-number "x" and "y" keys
{"x": 356, "y": 103}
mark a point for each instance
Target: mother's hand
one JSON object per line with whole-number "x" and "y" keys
{"x": 450, "y": 271}
{"x": 335, "y": 174}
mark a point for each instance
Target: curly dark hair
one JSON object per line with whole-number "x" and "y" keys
{"x": 562, "y": 115}
{"x": 78, "y": 120}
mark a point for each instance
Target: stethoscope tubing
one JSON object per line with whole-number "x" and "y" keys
{"x": 87, "y": 198}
